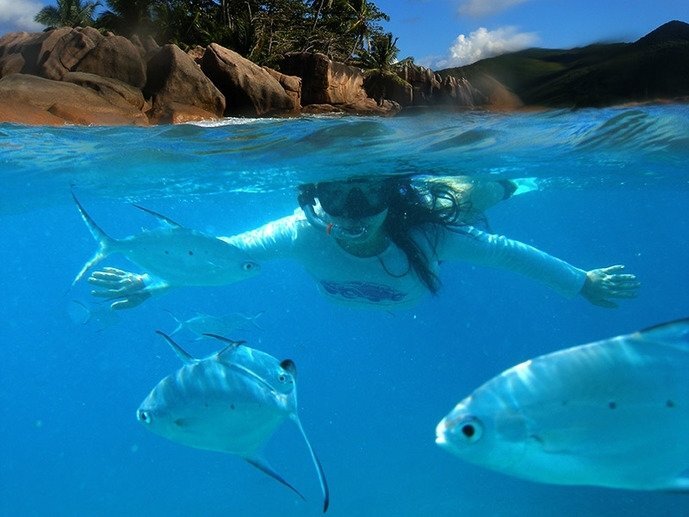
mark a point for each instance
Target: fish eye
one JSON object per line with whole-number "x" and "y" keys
{"x": 144, "y": 417}
{"x": 249, "y": 266}
{"x": 471, "y": 429}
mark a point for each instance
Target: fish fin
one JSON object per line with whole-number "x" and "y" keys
{"x": 232, "y": 344}
{"x": 678, "y": 485}
{"x": 263, "y": 467}
{"x": 165, "y": 221}
{"x": 675, "y": 332}
{"x": 180, "y": 323}
{"x": 254, "y": 318}
{"x": 319, "y": 468}
{"x": 79, "y": 312}
{"x": 181, "y": 353}
{"x": 100, "y": 255}
{"x": 103, "y": 239}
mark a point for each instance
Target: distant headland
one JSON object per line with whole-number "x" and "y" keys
{"x": 88, "y": 76}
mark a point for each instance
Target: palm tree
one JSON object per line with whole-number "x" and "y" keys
{"x": 380, "y": 66}
{"x": 363, "y": 25}
{"x": 127, "y": 17}
{"x": 67, "y": 13}
{"x": 321, "y": 4}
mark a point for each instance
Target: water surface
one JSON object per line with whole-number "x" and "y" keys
{"x": 613, "y": 188}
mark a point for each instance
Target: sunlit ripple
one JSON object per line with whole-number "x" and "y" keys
{"x": 564, "y": 148}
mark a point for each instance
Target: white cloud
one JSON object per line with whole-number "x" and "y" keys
{"x": 18, "y": 15}
{"x": 483, "y": 43}
{"x": 486, "y": 7}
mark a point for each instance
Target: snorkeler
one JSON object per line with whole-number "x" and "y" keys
{"x": 379, "y": 242}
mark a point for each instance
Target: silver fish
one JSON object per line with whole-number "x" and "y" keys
{"x": 201, "y": 323}
{"x": 613, "y": 413}
{"x": 232, "y": 402}
{"x": 177, "y": 255}
{"x": 96, "y": 315}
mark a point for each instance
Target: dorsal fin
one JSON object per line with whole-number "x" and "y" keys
{"x": 181, "y": 353}
{"x": 165, "y": 221}
{"x": 231, "y": 344}
{"x": 675, "y": 332}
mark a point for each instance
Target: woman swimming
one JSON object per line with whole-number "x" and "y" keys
{"x": 379, "y": 242}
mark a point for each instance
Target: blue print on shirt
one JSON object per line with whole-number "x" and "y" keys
{"x": 375, "y": 293}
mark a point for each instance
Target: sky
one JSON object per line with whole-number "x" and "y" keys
{"x": 447, "y": 33}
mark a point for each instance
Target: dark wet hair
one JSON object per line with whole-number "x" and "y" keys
{"x": 427, "y": 206}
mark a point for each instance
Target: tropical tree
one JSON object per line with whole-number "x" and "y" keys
{"x": 67, "y": 13}
{"x": 380, "y": 66}
{"x": 186, "y": 22}
{"x": 127, "y": 17}
{"x": 279, "y": 27}
{"x": 320, "y": 6}
{"x": 363, "y": 25}
{"x": 262, "y": 30}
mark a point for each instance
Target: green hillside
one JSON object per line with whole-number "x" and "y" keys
{"x": 654, "y": 67}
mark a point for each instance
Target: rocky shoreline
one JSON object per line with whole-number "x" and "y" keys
{"x": 83, "y": 76}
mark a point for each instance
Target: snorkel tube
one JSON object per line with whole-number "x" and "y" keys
{"x": 334, "y": 230}
{"x": 307, "y": 201}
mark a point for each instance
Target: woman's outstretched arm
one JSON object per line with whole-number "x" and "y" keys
{"x": 598, "y": 286}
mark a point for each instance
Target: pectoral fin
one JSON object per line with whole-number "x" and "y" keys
{"x": 263, "y": 466}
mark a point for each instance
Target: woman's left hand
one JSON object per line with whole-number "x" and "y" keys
{"x": 608, "y": 282}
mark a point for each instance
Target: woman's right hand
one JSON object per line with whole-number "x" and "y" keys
{"x": 125, "y": 289}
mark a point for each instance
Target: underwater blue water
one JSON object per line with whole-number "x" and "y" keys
{"x": 613, "y": 188}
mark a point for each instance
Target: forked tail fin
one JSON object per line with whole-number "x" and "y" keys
{"x": 180, "y": 323}
{"x": 317, "y": 464}
{"x": 105, "y": 242}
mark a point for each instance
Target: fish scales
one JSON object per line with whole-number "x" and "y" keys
{"x": 232, "y": 401}
{"x": 173, "y": 253}
{"x": 612, "y": 413}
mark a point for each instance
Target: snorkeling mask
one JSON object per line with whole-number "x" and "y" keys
{"x": 352, "y": 199}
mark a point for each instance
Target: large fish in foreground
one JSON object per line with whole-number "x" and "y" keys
{"x": 177, "y": 255}
{"x": 613, "y": 413}
{"x": 231, "y": 402}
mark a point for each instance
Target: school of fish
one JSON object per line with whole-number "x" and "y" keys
{"x": 613, "y": 413}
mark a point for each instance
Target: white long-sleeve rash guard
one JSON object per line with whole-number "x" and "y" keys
{"x": 387, "y": 280}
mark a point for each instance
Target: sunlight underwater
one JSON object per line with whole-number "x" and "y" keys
{"x": 612, "y": 186}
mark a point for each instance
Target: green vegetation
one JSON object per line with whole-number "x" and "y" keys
{"x": 380, "y": 65}
{"x": 656, "y": 66}
{"x": 262, "y": 30}
{"x": 67, "y": 13}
